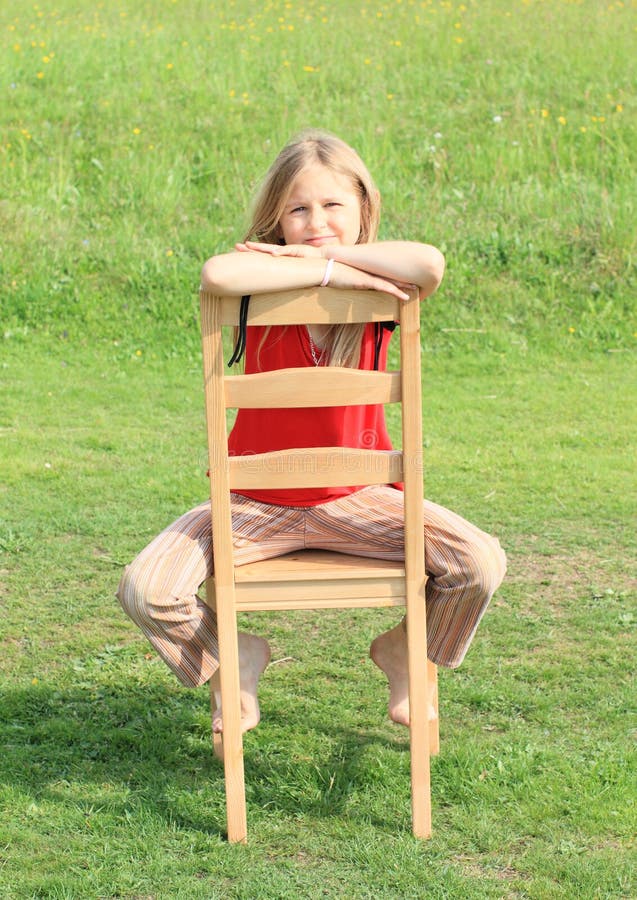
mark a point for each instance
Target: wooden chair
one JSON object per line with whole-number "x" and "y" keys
{"x": 316, "y": 579}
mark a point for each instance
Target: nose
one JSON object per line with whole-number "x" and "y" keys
{"x": 317, "y": 220}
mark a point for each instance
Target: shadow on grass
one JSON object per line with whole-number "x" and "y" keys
{"x": 145, "y": 749}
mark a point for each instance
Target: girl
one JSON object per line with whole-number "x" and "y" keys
{"x": 314, "y": 222}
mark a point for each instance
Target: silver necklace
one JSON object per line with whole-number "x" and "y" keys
{"x": 317, "y": 357}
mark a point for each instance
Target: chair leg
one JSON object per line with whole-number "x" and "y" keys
{"x": 434, "y": 724}
{"x": 419, "y": 728}
{"x": 232, "y": 742}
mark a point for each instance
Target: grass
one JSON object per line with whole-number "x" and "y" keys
{"x": 123, "y": 166}
{"x": 107, "y": 774}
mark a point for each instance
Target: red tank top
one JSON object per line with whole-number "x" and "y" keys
{"x": 263, "y": 430}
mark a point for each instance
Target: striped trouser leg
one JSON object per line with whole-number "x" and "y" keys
{"x": 158, "y": 590}
{"x": 465, "y": 565}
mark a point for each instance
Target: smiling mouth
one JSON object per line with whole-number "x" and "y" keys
{"x": 320, "y": 240}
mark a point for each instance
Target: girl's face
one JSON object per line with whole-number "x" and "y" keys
{"x": 323, "y": 208}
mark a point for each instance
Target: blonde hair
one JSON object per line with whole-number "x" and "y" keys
{"x": 342, "y": 343}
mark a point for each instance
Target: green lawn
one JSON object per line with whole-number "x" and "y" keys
{"x": 130, "y": 140}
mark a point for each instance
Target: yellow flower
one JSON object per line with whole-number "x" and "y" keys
{"x": 310, "y": 68}
{"x": 137, "y": 131}
{"x": 169, "y": 66}
{"x": 561, "y": 120}
{"x": 545, "y": 113}
{"x": 619, "y": 108}
{"x": 40, "y": 75}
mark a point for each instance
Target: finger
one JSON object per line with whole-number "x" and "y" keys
{"x": 388, "y": 287}
{"x": 259, "y": 247}
{"x": 406, "y": 286}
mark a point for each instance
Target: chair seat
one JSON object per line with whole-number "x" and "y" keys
{"x": 310, "y": 579}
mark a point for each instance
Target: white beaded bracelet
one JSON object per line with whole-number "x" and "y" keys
{"x": 328, "y": 272}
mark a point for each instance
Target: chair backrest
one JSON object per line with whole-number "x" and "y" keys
{"x": 313, "y": 387}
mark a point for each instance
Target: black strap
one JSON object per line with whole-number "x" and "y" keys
{"x": 240, "y": 346}
{"x": 379, "y": 327}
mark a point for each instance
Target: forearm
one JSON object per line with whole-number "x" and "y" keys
{"x": 404, "y": 261}
{"x": 259, "y": 268}
{"x": 234, "y": 274}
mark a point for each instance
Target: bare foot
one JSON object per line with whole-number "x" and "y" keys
{"x": 254, "y": 655}
{"x": 389, "y": 652}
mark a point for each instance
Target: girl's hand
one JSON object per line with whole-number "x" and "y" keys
{"x": 348, "y": 278}
{"x": 299, "y": 250}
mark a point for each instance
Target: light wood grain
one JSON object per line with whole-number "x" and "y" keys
{"x": 314, "y": 467}
{"x": 314, "y": 306}
{"x": 327, "y": 386}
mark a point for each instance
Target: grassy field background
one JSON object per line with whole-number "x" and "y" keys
{"x": 131, "y": 139}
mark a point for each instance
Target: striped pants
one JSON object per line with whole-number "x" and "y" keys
{"x": 159, "y": 589}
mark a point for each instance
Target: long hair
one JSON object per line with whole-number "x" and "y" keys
{"x": 342, "y": 343}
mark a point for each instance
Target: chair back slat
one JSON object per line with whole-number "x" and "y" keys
{"x": 296, "y": 388}
{"x": 312, "y": 307}
{"x": 314, "y": 467}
